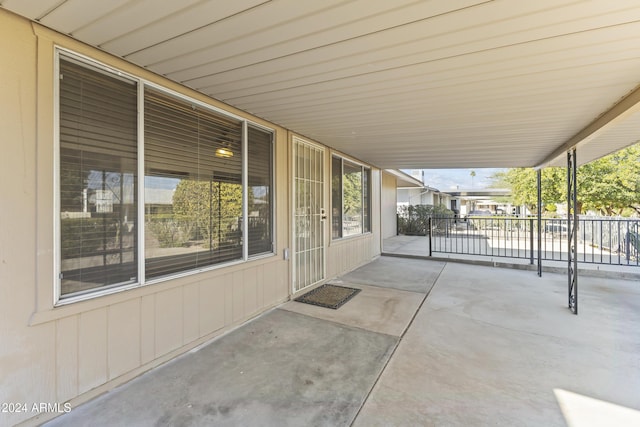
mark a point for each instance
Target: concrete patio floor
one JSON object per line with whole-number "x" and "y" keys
{"x": 423, "y": 343}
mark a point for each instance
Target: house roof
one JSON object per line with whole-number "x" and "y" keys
{"x": 399, "y": 84}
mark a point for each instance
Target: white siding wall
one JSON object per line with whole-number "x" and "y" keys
{"x": 388, "y": 207}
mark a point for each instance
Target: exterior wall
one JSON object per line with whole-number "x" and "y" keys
{"x": 415, "y": 196}
{"x": 351, "y": 252}
{"x": 388, "y": 208}
{"x": 74, "y": 352}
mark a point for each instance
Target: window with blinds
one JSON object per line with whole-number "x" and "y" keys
{"x": 193, "y": 172}
{"x": 97, "y": 179}
{"x": 350, "y": 198}
{"x": 260, "y": 211}
{"x": 193, "y": 186}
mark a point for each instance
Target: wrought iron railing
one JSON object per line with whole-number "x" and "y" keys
{"x": 600, "y": 240}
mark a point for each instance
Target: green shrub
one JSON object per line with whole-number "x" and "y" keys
{"x": 413, "y": 219}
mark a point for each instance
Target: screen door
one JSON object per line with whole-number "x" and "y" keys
{"x": 309, "y": 214}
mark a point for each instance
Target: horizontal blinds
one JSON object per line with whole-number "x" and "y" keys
{"x": 97, "y": 111}
{"x": 198, "y": 221}
{"x": 260, "y": 154}
{"x": 260, "y": 164}
{"x": 181, "y": 139}
{"x": 97, "y": 181}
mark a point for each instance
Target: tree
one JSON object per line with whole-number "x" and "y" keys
{"x": 524, "y": 187}
{"x": 214, "y": 208}
{"x": 352, "y": 194}
{"x": 609, "y": 185}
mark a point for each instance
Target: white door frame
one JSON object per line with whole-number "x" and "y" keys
{"x": 308, "y": 230}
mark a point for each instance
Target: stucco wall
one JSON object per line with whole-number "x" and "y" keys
{"x": 74, "y": 352}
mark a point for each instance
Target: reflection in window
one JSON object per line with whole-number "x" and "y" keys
{"x": 97, "y": 181}
{"x": 193, "y": 186}
{"x": 260, "y": 218}
{"x": 350, "y": 196}
{"x": 192, "y": 181}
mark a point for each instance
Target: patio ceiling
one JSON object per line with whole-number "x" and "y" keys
{"x": 400, "y": 84}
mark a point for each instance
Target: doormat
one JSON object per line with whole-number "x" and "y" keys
{"x": 329, "y": 296}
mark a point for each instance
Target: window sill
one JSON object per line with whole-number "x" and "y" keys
{"x": 93, "y": 301}
{"x": 354, "y": 237}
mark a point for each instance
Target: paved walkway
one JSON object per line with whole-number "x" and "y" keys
{"x": 423, "y": 343}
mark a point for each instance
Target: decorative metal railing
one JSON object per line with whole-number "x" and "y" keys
{"x": 600, "y": 240}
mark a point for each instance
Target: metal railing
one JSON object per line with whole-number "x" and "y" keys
{"x": 600, "y": 240}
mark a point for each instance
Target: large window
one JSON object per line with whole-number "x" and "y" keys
{"x": 350, "y": 198}
{"x": 190, "y": 159}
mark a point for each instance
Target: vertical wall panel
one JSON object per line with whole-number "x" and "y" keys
{"x": 168, "y": 321}
{"x": 347, "y": 254}
{"x": 270, "y": 273}
{"x": 92, "y": 351}
{"x": 250, "y": 286}
{"x": 67, "y": 358}
{"x": 238, "y": 296}
{"x": 212, "y": 306}
{"x": 191, "y": 310}
{"x": 123, "y": 337}
{"x": 147, "y": 328}
{"x": 260, "y": 285}
{"x": 227, "y": 282}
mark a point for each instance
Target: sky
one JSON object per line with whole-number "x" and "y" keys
{"x": 451, "y": 179}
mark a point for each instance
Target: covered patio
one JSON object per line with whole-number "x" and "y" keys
{"x": 423, "y": 343}
{"x": 367, "y": 86}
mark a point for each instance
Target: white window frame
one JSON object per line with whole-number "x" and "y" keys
{"x": 363, "y": 167}
{"x": 58, "y": 298}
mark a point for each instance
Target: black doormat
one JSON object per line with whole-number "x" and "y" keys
{"x": 330, "y": 296}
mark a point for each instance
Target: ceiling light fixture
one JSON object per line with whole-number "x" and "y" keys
{"x": 224, "y": 152}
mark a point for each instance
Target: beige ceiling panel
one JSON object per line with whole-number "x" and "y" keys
{"x": 187, "y": 20}
{"x": 382, "y": 50}
{"x": 318, "y": 29}
{"x": 410, "y": 83}
{"x": 74, "y": 14}
{"x": 224, "y": 31}
{"x": 34, "y": 9}
{"x": 346, "y": 22}
{"x": 424, "y": 35}
{"x": 129, "y": 19}
{"x": 529, "y": 59}
{"x": 612, "y": 139}
{"x": 536, "y": 96}
{"x": 378, "y": 80}
{"x": 445, "y": 83}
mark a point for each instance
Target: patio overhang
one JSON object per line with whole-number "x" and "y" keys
{"x": 403, "y": 180}
{"x": 402, "y": 84}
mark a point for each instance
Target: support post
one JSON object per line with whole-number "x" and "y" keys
{"x": 539, "y": 184}
{"x": 572, "y": 227}
{"x": 430, "y": 227}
